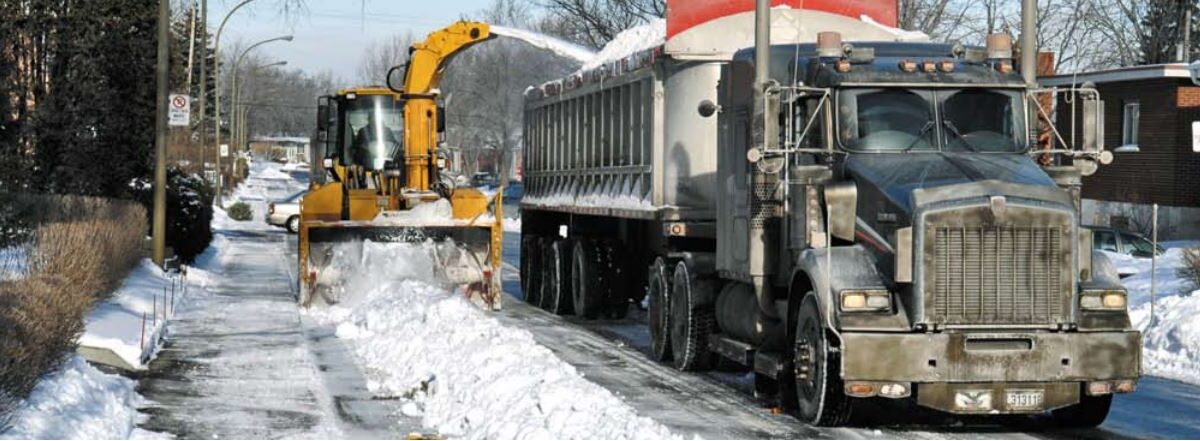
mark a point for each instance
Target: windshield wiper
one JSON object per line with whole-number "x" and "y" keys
{"x": 920, "y": 135}
{"x": 958, "y": 134}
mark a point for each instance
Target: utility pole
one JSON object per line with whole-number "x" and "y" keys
{"x": 159, "y": 229}
{"x": 1029, "y": 43}
{"x": 1185, "y": 51}
{"x": 203, "y": 81}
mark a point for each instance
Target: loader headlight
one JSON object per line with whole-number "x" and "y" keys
{"x": 866, "y": 300}
{"x": 1103, "y": 300}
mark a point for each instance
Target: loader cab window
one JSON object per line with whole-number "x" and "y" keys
{"x": 372, "y": 131}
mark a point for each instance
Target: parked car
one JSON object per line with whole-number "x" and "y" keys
{"x": 286, "y": 212}
{"x": 1123, "y": 242}
{"x": 513, "y": 192}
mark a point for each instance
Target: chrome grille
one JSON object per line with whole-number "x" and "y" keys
{"x": 997, "y": 275}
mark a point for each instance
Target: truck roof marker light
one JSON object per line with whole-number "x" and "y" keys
{"x": 1004, "y": 67}
{"x": 928, "y": 67}
{"x": 842, "y": 65}
{"x": 829, "y": 45}
{"x": 946, "y": 66}
{"x": 909, "y": 66}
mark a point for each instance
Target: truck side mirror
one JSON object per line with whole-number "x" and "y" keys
{"x": 323, "y": 115}
{"x": 1093, "y": 122}
{"x": 441, "y": 119}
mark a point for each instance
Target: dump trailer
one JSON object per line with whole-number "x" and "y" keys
{"x": 380, "y": 179}
{"x": 848, "y": 213}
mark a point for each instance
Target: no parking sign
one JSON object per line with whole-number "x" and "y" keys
{"x": 179, "y": 112}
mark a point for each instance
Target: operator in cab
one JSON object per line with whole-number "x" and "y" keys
{"x": 374, "y": 144}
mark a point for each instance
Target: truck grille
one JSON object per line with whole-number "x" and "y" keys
{"x": 997, "y": 275}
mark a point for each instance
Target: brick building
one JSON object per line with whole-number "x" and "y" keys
{"x": 1152, "y": 124}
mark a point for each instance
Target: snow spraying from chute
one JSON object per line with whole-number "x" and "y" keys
{"x": 560, "y": 47}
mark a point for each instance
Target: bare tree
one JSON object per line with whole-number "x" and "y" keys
{"x": 596, "y": 22}
{"x": 382, "y": 55}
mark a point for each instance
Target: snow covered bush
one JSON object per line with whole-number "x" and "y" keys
{"x": 189, "y": 212}
{"x": 240, "y": 212}
{"x": 1191, "y": 266}
{"x": 78, "y": 250}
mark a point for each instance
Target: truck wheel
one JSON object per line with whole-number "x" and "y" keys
{"x": 821, "y": 399}
{"x": 586, "y": 271}
{"x": 531, "y": 269}
{"x": 658, "y": 288}
{"x": 556, "y": 283}
{"x": 692, "y": 320}
{"x": 1090, "y": 412}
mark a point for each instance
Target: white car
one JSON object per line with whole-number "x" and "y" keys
{"x": 286, "y": 212}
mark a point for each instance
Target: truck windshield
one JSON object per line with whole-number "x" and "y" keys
{"x": 902, "y": 120}
{"x": 372, "y": 129}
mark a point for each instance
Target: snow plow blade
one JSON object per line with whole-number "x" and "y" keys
{"x": 465, "y": 256}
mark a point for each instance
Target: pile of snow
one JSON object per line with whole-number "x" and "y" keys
{"x": 900, "y": 34}
{"x": 80, "y": 402}
{"x": 1172, "y": 343}
{"x": 629, "y": 42}
{"x": 117, "y": 323}
{"x": 512, "y": 224}
{"x": 562, "y": 48}
{"x": 463, "y": 372}
{"x": 428, "y": 212}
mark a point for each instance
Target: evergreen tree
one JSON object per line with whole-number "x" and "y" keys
{"x": 1161, "y": 32}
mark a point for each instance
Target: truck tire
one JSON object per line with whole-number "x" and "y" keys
{"x": 692, "y": 320}
{"x": 1090, "y": 412}
{"x": 586, "y": 279}
{"x": 821, "y": 398}
{"x": 556, "y": 280}
{"x": 658, "y": 289}
{"x": 531, "y": 269}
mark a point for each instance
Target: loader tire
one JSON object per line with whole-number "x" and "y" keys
{"x": 658, "y": 318}
{"x": 586, "y": 270}
{"x": 822, "y": 400}
{"x": 556, "y": 285}
{"x": 692, "y": 320}
{"x": 531, "y": 269}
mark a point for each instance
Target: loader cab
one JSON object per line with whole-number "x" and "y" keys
{"x": 363, "y": 129}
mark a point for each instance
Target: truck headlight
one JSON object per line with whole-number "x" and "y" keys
{"x": 1103, "y": 300}
{"x": 866, "y": 300}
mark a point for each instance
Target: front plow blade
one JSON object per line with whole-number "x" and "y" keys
{"x": 341, "y": 259}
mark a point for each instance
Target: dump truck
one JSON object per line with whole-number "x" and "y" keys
{"x": 378, "y": 177}
{"x": 846, "y": 210}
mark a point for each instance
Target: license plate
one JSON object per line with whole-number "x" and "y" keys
{"x": 1024, "y": 399}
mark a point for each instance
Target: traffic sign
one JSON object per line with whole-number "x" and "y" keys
{"x": 179, "y": 113}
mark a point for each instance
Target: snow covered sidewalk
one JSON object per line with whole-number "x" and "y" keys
{"x": 80, "y": 402}
{"x": 1172, "y": 344}
{"x": 124, "y": 330}
{"x": 463, "y": 372}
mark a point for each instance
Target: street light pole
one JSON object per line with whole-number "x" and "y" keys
{"x": 217, "y": 85}
{"x": 159, "y": 220}
{"x": 235, "y": 124}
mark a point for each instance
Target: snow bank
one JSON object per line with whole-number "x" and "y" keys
{"x": 512, "y": 224}
{"x": 562, "y": 48}
{"x": 629, "y": 42}
{"x": 79, "y": 402}
{"x": 116, "y": 323}
{"x": 463, "y": 372}
{"x": 1172, "y": 345}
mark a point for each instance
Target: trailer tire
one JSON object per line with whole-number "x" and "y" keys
{"x": 692, "y": 320}
{"x": 658, "y": 318}
{"x": 531, "y": 269}
{"x": 1089, "y": 412}
{"x": 822, "y": 400}
{"x": 556, "y": 295}
{"x": 586, "y": 278}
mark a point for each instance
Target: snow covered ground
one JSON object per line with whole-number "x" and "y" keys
{"x": 80, "y": 402}
{"x": 1172, "y": 342}
{"x": 117, "y": 324}
{"x": 12, "y": 263}
{"x": 460, "y": 370}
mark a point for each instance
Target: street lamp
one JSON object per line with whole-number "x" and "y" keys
{"x": 239, "y": 118}
{"x": 217, "y": 83}
{"x": 237, "y": 61}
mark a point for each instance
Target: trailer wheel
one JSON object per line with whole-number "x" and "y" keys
{"x": 659, "y": 290}
{"x": 556, "y": 283}
{"x": 586, "y": 278}
{"x": 692, "y": 320}
{"x": 821, "y": 398}
{"x": 531, "y": 269}
{"x": 1090, "y": 412}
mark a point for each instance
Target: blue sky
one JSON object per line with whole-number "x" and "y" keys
{"x": 333, "y": 33}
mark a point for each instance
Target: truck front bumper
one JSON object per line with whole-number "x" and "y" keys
{"x": 982, "y": 372}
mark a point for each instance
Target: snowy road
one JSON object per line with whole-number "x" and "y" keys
{"x": 613, "y": 354}
{"x": 240, "y": 363}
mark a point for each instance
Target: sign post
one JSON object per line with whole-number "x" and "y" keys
{"x": 180, "y": 111}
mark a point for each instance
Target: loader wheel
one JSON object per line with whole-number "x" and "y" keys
{"x": 692, "y": 320}
{"x": 586, "y": 270}
{"x": 532, "y": 269}
{"x": 821, "y": 399}
{"x": 556, "y": 283}
{"x": 1090, "y": 412}
{"x": 658, "y": 289}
